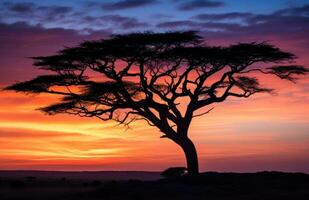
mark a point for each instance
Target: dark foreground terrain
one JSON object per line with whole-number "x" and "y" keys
{"x": 146, "y": 185}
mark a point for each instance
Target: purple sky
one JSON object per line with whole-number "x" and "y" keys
{"x": 32, "y": 27}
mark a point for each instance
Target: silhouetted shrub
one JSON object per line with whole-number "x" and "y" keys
{"x": 174, "y": 172}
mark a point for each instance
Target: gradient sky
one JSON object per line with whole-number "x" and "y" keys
{"x": 263, "y": 132}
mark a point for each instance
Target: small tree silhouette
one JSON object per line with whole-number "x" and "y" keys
{"x": 174, "y": 172}
{"x": 163, "y": 78}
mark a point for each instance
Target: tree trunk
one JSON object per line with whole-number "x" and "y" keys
{"x": 191, "y": 156}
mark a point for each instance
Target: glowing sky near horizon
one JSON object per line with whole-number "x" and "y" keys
{"x": 264, "y": 132}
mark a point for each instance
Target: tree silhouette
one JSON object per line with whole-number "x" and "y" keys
{"x": 166, "y": 79}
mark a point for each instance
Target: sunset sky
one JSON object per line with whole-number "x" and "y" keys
{"x": 264, "y": 132}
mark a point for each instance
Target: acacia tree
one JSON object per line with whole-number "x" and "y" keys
{"x": 166, "y": 79}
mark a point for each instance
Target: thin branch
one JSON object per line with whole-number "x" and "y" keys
{"x": 204, "y": 113}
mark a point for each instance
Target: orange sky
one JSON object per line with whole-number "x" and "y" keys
{"x": 261, "y": 133}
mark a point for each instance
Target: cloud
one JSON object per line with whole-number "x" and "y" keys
{"x": 197, "y": 4}
{"x": 20, "y": 7}
{"x": 118, "y": 21}
{"x": 31, "y": 9}
{"x": 56, "y": 10}
{"x": 126, "y": 4}
{"x": 285, "y": 22}
{"x": 67, "y": 17}
{"x": 224, "y": 16}
{"x": 303, "y": 10}
{"x": 178, "y": 24}
{"x": 201, "y": 26}
{"x": 33, "y": 13}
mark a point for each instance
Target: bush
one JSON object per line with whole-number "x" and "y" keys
{"x": 174, "y": 172}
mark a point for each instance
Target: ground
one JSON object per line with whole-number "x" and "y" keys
{"x": 144, "y": 185}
